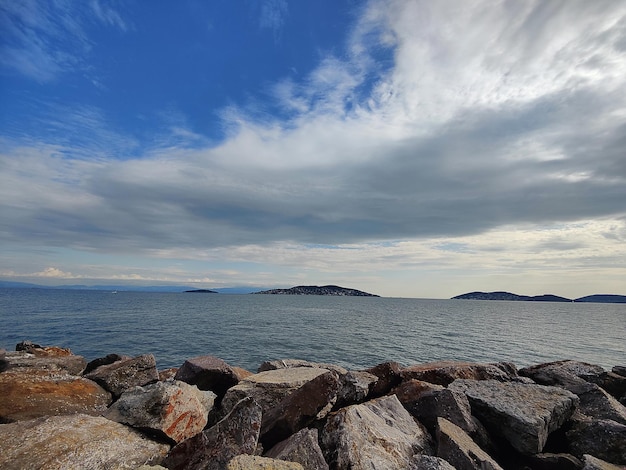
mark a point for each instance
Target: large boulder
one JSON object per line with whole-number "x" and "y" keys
{"x": 75, "y": 441}
{"x": 602, "y": 438}
{"x": 593, "y": 463}
{"x": 524, "y": 414}
{"x": 173, "y": 409}
{"x": 377, "y": 434}
{"x": 209, "y": 373}
{"x": 125, "y": 374}
{"x": 291, "y": 363}
{"x": 302, "y": 447}
{"x": 300, "y": 408}
{"x": 445, "y": 372}
{"x": 27, "y": 393}
{"x": 457, "y": 447}
{"x": 598, "y": 404}
{"x": 50, "y": 358}
{"x": 429, "y": 462}
{"x": 388, "y": 375}
{"x": 254, "y": 462}
{"x": 212, "y": 449}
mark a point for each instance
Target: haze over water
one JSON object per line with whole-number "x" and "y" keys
{"x": 354, "y": 332}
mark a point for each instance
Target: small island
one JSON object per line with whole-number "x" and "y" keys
{"x": 201, "y": 291}
{"x": 319, "y": 290}
{"x": 501, "y": 295}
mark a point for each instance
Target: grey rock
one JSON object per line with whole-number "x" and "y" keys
{"x": 524, "y": 414}
{"x": 125, "y": 374}
{"x": 208, "y": 373}
{"x": 69, "y": 363}
{"x": 604, "y": 439}
{"x": 313, "y": 400}
{"x": 593, "y": 463}
{"x": 213, "y": 448}
{"x": 429, "y": 462}
{"x": 562, "y": 373}
{"x": 598, "y": 404}
{"x": 254, "y": 462}
{"x": 103, "y": 361}
{"x": 445, "y": 372}
{"x": 550, "y": 461}
{"x": 75, "y": 441}
{"x": 302, "y": 447}
{"x": 355, "y": 387}
{"x": 458, "y": 448}
{"x": 291, "y": 363}
{"x": 619, "y": 370}
{"x": 173, "y": 409}
{"x": 378, "y": 434}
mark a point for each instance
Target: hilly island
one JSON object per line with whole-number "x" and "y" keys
{"x": 319, "y": 290}
{"x": 501, "y": 295}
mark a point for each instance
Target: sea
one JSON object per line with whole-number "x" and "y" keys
{"x": 354, "y": 332}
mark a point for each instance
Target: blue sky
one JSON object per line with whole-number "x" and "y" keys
{"x": 406, "y": 148}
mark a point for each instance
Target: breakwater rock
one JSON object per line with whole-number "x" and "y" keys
{"x": 118, "y": 412}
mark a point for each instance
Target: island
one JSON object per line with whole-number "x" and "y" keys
{"x": 501, "y": 295}
{"x": 201, "y": 291}
{"x": 319, "y": 290}
{"x": 603, "y": 299}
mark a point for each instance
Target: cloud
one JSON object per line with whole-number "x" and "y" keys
{"x": 55, "y": 273}
{"x": 272, "y": 16}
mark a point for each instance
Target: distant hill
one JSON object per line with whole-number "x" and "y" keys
{"x": 603, "y": 299}
{"x": 500, "y": 295}
{"x": 201, "y": 291}
{"x": 317, "y": 290}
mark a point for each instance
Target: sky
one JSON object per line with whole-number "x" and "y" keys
{"x": 402, "y": 147}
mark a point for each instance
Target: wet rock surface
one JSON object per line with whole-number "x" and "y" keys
{"x": 301, "y": 414}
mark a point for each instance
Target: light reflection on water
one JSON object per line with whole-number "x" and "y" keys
{"x": 355, "y": 332}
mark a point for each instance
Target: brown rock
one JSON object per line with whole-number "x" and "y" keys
{"x": 213, "y": 448}
{"x": 167, "y": 374}
{"x": 71, "y": 364}
{"x": 302, "y": 447}
{"x": 125, "y": 374}
{"x": 253, "y": 462}
{"x": 28, "y": 393}
{"x": 208, "y": 373}
{"x": 388, "y": 374}
{"x": 76, "y": 441}
{"x": 456, "y": 447}
{"x": 377, "y": 434}
{"x": 298, "y": 409}
{"x": 173, "y": 409}
{"x": 445, "y": 372}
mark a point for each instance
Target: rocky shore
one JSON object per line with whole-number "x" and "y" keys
{"x": 118, "y": 412}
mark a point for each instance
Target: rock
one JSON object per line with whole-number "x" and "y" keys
{"x": 428, "y": 462}
{"x": 75, "y": 441}
{"x": 103, "y": 361}
{"x": 69, "y": 363}
{"x": 427, "y": 406}
{"x": 208, "y": 373}
{"x": 378, "y": 434}
{"x": 355, "y": 387}
{"x": 592, "y": 463}
{"x": 291, "y": 363}
{"x": 175, "y": 410}
{"x": 252, "y": 462}
{"x": 561, "y": 373}
{"x": 445, "y": 372}
{"x": 271, "y": 387}
{"x": 619, "y": 370}
{"x": 388, "y": 374}
{"x": 28, "y": 393}
{"x": 302, "y": 447}
{"x": 524, "y": 414}
{"x": 125, "y": 374}
{"x": 613, "y": 383}
{"x": 167, "y": 374}
{"x": 456, "y": 447}
{"x": 213, "y": 448}
{"x": 26, "y": 345}
{"x": 298, "y": 409}
{"x": 598, "y": 404}
{"x": 548, "y": 461}
{"x": 604, "y": 439}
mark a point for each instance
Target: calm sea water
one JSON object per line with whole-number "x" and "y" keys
{"x": 355, "y": 332}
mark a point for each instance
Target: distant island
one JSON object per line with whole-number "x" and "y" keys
{"x": 318, "y": 290}
{"x": 201, "y": 291}
{"x": 500, "y": 295}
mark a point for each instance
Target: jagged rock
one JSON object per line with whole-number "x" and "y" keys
{"x": 213, "y": 448}
{"x": 69, "y": 363}
{"x": 619, "y": 370}
{"x": 377, "y": 434}
{"x": 593, "y": 463}
{"x": 429, "y": 462}
{"x": 27, "y": 393}
{"x": 103, "y": 361}
{"x": 613, "y": 383}
{"x": 355, "y": 387}
{"x": 427, "y": 405}
{"x": 253, "y": 462}
{"x": 291, "y": 363}
{"x": 125, "y": 374}
{"x": 75, "y": 441}
{"x": 456, "y": 447}
{"x": 208, "y": 373}
{"x": 168, "y": 374}
{"x": 603, "y": 438}
{"x": 524, "y": 414}
{"x": 445, "y": 372}
{"x": 562, "y": 373}
{"x": 598, "y": 404}
{"x": 388, "y": 374}
{"x": 271, "y": 387}
{"x": 548, "y": 461}
{"x": 173, "y": 409}
{"x": 312, "y": 400}
{"x": 26, "y": 345}
{"x": 302, "y": 447}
